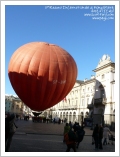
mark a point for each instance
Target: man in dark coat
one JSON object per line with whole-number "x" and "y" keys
{"x": 80, "y": 134}
{"x": 10, "y": 128}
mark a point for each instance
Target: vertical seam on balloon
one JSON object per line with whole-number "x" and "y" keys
{"x": 37, "y": 74}
{"x": 48, "y": 74}
{"x": 58, "y": 65}
{"x": 49, "y": 70}
{"x": 27, "y": 69}
{"x": 72, "y": 67}
{"x": 27, "y": 85}
{"x": 66, "y": 68}
{"x": 71, "y": 60}
{"x": 28, "y": 73}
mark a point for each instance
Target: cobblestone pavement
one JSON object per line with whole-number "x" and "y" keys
{"x": 43, "y": 137}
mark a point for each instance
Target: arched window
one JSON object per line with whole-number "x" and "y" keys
{"x": 81, "y": 113}
{"x": 74, "y": 113}
{"x": 70, "y": 113}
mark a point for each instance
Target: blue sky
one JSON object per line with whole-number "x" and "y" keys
{"x": 87, "y": 40}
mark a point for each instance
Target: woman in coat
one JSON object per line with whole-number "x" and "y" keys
{"x": 106, "y": 132}
{"x": 66, "y": 130}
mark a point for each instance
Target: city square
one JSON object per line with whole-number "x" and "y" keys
{"x": 48, "y": 137}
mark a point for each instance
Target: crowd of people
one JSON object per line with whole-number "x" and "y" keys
{"x": 74, "y": 134}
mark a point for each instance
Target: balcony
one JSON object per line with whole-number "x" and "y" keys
{"x": 67, "y": 107}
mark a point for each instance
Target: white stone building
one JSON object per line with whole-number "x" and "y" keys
{"x": 92, "y": 99}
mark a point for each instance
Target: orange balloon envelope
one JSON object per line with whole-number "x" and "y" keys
{"x": 42, "y": 74}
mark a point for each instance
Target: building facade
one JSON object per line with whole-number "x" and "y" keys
{"x": 91, "y": 99}
{"x": 13, "y": 104}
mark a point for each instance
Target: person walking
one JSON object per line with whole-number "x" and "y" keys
{"x": 70, "y": 139}
{"x": 47, "y": 119}
{"x": 10, "y": 128}
{"x": 76, "y": 126}
{"x": 80, "y": 134}
{"x": 66, "y": 130}
{"x": 59, "y": 121}
{"x": 70, "y": 124}
{"x": 106, "y": 132}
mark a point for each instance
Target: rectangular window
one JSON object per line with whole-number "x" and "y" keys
{"x": 87, "y": 101}
{"x": 72, "y": 102}
{"x": 76, "y": 102}
{"x": 82, "y": 102}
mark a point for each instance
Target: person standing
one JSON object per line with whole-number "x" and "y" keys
{"x": 54, "y": 120}
{"x": 10, "y": 128}
{"x": 70, "y": 142}
{"x": 59, "y": 121}
{"x": 106, "y": 132}
{"x": 70, "y": 124}
{"x": 75, "y": 126}
{"x": 80, "y": 134}
{"x": 47, "y": 119}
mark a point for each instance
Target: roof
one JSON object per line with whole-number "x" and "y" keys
{"x": 79, "y": 81}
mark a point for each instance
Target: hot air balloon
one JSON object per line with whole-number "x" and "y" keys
{"x": 41, "y": 74}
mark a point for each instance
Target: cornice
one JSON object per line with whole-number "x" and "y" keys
{"x": 104, "y": 66}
